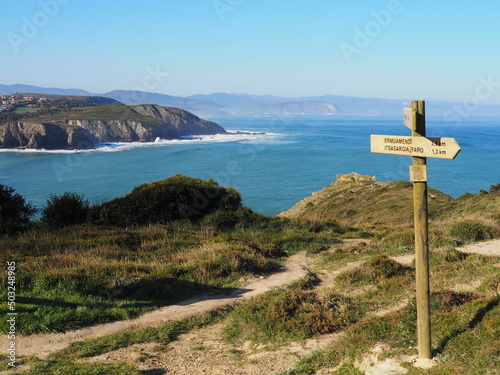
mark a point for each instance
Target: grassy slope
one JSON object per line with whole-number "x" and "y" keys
{"x": 79, "y": 276}
{"x": 83, "y": 275}
{"x": 100, "y": 112}
{"x": 385, "y": 206}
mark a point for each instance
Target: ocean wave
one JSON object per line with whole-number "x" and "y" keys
{"x": 242, "y": 136}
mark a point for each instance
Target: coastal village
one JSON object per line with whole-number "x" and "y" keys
{"x": 13, "y": 102}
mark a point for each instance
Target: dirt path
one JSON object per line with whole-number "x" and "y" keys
{"x": 204, "y": 351}
{"x": 45, "y": 344}
{"x": 490, "y": 248}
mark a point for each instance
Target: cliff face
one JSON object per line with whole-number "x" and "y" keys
{"x": 185, "y": 122}
{"x": 127, "y": 131}
{"x": 47, "y": 136}
{"x": 82, "y": 129}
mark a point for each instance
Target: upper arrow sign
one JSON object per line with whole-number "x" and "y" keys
{"x": 410, "y": 118}
{"x": 443, "y": 148}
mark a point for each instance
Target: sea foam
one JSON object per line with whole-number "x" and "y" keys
{"x": 230, "y": 136}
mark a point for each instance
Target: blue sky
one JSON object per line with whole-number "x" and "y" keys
{"x": 408, "y": 49}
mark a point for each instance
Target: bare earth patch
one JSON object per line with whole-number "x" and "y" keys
{"x": 205, "y": 352}
{"x": 489, "y": 248}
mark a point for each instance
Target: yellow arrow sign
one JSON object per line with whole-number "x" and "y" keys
{"x": 442, "y": 148}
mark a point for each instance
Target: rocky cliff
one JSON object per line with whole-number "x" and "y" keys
{"x": 185, "y": 122}
{"x": 126, "y": 130}
{"x": 82, "y": 128}
{"x": 45, "y": 136}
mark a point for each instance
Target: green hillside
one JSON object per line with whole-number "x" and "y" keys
{"x": 182, "y": 237}
{"x": 387, "y": 207}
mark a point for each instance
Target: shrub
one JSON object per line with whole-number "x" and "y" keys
{"x": 494, "y": 188}
{"x": 65, "y": 210}
{"x": 470, "y": 231}
{"x": 175, "y": 198}
{"x": 14, "y": 210}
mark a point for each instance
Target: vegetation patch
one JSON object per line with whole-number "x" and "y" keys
{"x": 470, "y": 231}
{"x": 378, "y": 269}
{"x": 63, "y": 367}
{"x": 290, "y": 314}
{"x": 162, "y": 335}
{"x": 465, "y": 337}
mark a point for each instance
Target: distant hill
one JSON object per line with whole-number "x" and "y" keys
{"x": 197, "y": 106}
{"x": 12, "y": 89}
{"x": 235, "y": 104}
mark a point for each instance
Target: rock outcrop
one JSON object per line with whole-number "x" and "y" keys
{"x": 355, "y": 177}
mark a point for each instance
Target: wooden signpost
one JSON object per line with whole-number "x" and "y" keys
{"x": 420, "y": 147}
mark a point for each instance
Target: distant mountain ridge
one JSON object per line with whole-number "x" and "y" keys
{"x": 237, "y": 104}
{"x": 18, "y": 88}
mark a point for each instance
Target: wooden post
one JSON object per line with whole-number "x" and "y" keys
{"x": 418, "y": 144}
{"x": 422, "y": 245}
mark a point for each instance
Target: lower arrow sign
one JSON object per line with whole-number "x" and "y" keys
{"x": 442, "y": 148}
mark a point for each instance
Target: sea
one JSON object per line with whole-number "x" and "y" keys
{"x": 274, "y": 162}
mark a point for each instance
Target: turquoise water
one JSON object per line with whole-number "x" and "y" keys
{"x": 296, "y": 157}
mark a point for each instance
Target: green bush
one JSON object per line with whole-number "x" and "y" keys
{"x": 175, "y": 198}
{"x": 470, "y": 231}
{"x": 65, "y": 210}
{"x": 14, "y": 210}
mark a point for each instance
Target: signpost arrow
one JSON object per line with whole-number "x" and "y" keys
{"x": 442, "y": 148}
{"x": 410, "y": 118}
